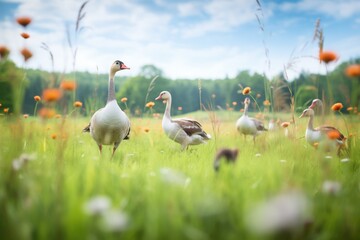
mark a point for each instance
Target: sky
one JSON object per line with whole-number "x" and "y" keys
{"x": 194, "y": 39}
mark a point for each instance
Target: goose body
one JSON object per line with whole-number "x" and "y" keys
{"x": 247, "y": 125}
{"x": 329, "y": 137}
{"x": 182, "y": 130}
{"x": 110, "y": 125}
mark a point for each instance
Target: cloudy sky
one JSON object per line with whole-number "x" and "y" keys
{"x": 185, "y": 38}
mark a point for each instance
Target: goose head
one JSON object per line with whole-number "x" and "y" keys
{"x": 164, "y": 95}
{"x": 307, "y": 113}
{"x": 118, "y": 66}
{"x": 247, "y": 101}
{"x": 315, "y": 103}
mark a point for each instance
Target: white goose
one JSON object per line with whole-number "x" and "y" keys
{"x": 110, "y": 125}
{"x": 181, "y": 130}
{"x": 329, "y": 137}
{"x": 247, "y": 125}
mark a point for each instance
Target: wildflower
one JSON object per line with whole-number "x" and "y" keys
{"x": 68, "y": 85}
{"x": 77, "y": 104}
{"x": 349, "y": 109}
{"x": 115, "y": 220}
{"x": 4, "y": 51}
{"x": 258, "y": 95}
{"x": 266, "y": 103}
{"x": 27, "y": 54}
{"x": 47, "y": 112}
{"x": 234, "y": 103}
{"x": 97, "y": 205}
{"x": 213, "y": 96}
{"x": 146, "y": 129}
{"x": 174, "y": 177}
{"x": 316, "y": 145}
{"x": 23, "y": 21}
{"x": 26, "y": 115}
{"x": 333, "y": 134}
{"x": 180, "y": 108}
{"x": 53, "y": 136}
{"x": 124, "y": 100}
{"x": 150, "y": 105}
{"x": 6, "y": 110}
{"x": 344, "y": 160}
{"x": 25, "y": 35}
{"x": 331, "y": 187}
{"x": 327, "y": 56}
{"x": 285, "y": 124}
{"x": 337, "y": 107}
{"x": 37, "y": 98}
{"x": 57, "y": 116}
{"x": 285, "y": 212}
{"x": 51, "y": 94}
{"x": 246, "y": 91}
{"x": 353, "y": 70}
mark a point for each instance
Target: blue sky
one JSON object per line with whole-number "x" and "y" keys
{"x": 186, "y": 39}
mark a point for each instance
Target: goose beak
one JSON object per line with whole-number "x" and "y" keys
{"x": 123, "y": 66}
{"x": 158, "y": 97}
{"x": 301, "y": 115}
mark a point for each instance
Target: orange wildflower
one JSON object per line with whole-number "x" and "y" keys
{"x": 78, "y": 104}
{"x": 337, "y": 107}
{"x": 285, "y": 124}
{"x": 52, "y": 94}
{"x": 124, "y": 100}
{"x": 47, "y": 112}
{"x": 37, "y": 98}
{"x": 179, "y": 108}
{"x": 327, "y": 56}
{"x": 53, "y": 136}
{"x": 266, "y": 103}
{"x": 6, "y": 110}
{"x": 27, "y": 54}
{"x": 353, "y": 70}
{"x": 246, "y": 91}
{"x": 316, "y": 145}
{"x": 333, "y": 134}
{"x": 234, "y": 103}
{"x": 25, "y": 35}
{"x": 150, "y": 105}
{"x": 4, "y": 51}
{"x": 57, "y": 116}
{"x": 26, "y": 115}
{"x": 23, "y": 21}
{"x": 146, "y": 129}
{"x": 68, "y": 85}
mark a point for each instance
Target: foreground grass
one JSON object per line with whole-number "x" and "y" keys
{"x": 158, "y": 192}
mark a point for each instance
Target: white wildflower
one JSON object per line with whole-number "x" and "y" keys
{"x": 344, "y": 160}
{"x": 97, "y": 205}
{"x": 331, "y": 187}
{"x": 115, "y": 220}
{"x": 174, "y": 177}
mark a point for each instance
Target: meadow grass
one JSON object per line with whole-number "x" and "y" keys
{"x": 165, "y": 193}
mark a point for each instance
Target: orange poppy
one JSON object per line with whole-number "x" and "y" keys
{"x": 23, "y": 21}
{"x": 4, "y": 51}
{"x": 266, "y": 103}
{"x": 150, "y": 104}
{"x": 26, "y": 115}
{"x": 25, "y": 35}
{"x": 77, "y": 104}
{"x": 353, "y": 70}
{"x": 47, "y": 112}
{"x": 234, "y": 103}
{"x": 333, "y": 134}
{"x": 27, "y": 54}
{"x": 285, "y": 124}
{"x": 246, "y": 91}
{"x": 53, "y": 136}
{"x": 37, "y": 98}
{"x": 146, "y": 129}
{"x": 6, "y": 110}
{"x": 124, "y": 100}
{"x": 52, "y": 94}
{"x": 68, "y": 85}
{"x": 349, "y": 109}
{"x": 327, "y": 56}
{"x": 337, "y": 107}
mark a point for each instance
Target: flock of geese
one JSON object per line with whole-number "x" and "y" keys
{"x": 110, "y": 125}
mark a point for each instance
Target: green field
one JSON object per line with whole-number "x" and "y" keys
{"x": 64, "y": 188}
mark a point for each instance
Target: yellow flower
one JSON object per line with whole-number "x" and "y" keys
{"x": 246, "y": 91}
{"x": 337, "y": 107}
{"x": 77, "y": 104}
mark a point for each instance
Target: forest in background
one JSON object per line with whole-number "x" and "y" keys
{"x": 215, "y": 93}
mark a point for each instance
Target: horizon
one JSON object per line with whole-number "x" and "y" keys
{"x": 185, "y": 39}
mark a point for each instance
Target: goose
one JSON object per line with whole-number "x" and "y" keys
{"x": 110, "y": 125}
{"x": 229, "y": 155}
{"x": 329, "y": 137}
{"x": 247, "y": 125}
{"x": 182, "y": 130}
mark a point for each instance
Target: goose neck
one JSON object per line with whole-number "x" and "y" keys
{"x": 311, "y": 122}
{"x": 168, "y": 108}
{"x": 111, "y": 87}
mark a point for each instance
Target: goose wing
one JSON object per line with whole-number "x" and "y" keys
{"x": 190, "y": 127}
{"x": 259, "y": 125}
{"x": 334, "y": 132}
